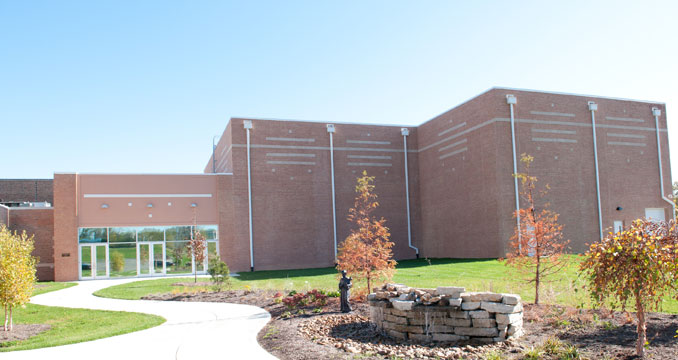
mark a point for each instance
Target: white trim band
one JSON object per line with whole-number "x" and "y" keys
{"x": 369, "y": 164}
{"x": 452, "y": 153}
{"x": 147, "y": 196}
{"x": 289, "y": 139}
{"x": 614, "y": 118}
{"x": 371, "y": 142}
{"x": 554, "y": 140}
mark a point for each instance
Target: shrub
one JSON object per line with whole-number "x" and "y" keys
{"x": 220, "y": 273}
{"x": 317, "y": 297}
{"x": 295, "y": 301}
{"x": 638, "y": 265}
{"x": 314, "y": 297}
{"x": 118, "y": 262}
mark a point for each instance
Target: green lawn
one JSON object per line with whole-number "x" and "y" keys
{"x": 47, "y": 286}
{"x": 473, "y": 274}
{"x": 70, "y": 326}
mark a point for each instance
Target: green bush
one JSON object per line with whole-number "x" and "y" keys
{"x": 221, "y": 275}
{"x": 117, "y": 261}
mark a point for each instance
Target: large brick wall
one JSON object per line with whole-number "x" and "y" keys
{"x": 235, "y": 252}
{"x": 37, "y": 222}
{"x": 460, "y": 171}
{"x": 292, "y": 191}
{"x": 33, "y": 190}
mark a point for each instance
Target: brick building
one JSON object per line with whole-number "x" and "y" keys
{"x": 276, "y": 193}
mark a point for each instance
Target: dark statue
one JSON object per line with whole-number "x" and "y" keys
{"x": 345, "y": 285}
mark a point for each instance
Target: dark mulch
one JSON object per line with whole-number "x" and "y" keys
{"x": 602, "y": 333}
{"x": 333, "y": 335}
{"x": 21, "y": 332}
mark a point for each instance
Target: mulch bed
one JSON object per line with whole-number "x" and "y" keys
{"x": 332, "y": 335}
{"x": 21, "y": 332}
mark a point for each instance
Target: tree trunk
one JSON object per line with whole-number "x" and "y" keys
{"x": 368, "y": 283}
{"x": 11, "y": 324}
{"x": 641, "y": 328}
{"x": 536, "y": 283}
{"x": 4, "y": 327}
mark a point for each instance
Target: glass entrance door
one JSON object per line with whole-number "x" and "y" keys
{"x": 151, "y": 258}
{"x": 93, "y": 261}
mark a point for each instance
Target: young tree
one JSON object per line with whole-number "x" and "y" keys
{"x": 17, "y": 271}
{"x": 197, "y": 245}
{"x": 366, "y": 252}
{"x": 638, "y": 265}
{"x": 537, "y": 245}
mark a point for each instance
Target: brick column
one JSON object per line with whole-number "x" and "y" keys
{"x": 65, "y": 227}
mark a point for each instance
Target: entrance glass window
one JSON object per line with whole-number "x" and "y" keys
{"x": 93, "y": 261}
{"x": 143, "y": 251}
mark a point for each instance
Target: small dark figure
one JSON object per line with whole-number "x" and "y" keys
{"x": 345, "y": 285}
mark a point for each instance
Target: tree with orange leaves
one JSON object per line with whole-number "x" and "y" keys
{"x": 366, "y": 252}
{"x": 536, "y": 248}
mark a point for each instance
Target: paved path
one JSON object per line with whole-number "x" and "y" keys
{"x": 194, "y": 330}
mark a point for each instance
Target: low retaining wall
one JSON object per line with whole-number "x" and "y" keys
{"x": 445, "y": 314}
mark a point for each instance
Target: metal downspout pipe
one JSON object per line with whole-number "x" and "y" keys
{"x": 405, "y": 132}
{"x": 593, "y": 107}
{"x": 657, "y": 113}
{"x": 330, "y": 130}
{"x": 248, "y": 126}
{"x": 511, "y": 100}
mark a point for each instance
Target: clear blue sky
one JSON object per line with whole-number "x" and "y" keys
{"x": 142, "y": 86}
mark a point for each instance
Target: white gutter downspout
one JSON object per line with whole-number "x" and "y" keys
{"x": 657, "y": 113}
{"x": 330, "y": 130}
{"x": 511, "y": 100}
{"x": 405, "y": 132}
{"x": 593, "y": 107}
{"x": 248, "y": 126}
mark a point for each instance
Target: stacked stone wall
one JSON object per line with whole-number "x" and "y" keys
{"x": 445, "y": 314}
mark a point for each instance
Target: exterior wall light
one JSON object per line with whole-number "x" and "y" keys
{"x": 619, "y": 208}
{"x": 104, "y": 206}
{"x": 149, "y": 205}
{"x": 194, "y": 205}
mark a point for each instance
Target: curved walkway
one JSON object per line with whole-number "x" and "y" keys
{"x": 194, "y": 330}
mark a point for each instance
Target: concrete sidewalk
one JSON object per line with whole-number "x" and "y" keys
{"x": 194, "y": 330}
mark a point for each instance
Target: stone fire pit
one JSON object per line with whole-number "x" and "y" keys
{"x": 445, "y": 314}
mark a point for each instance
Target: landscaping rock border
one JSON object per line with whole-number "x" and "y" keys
{"x": 445, "y": 314}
